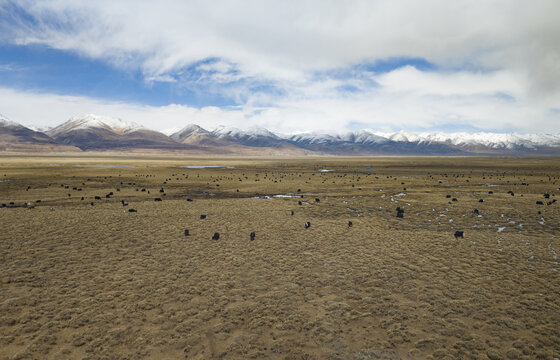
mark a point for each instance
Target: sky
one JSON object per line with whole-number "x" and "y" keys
{"x": 289, "y": 66}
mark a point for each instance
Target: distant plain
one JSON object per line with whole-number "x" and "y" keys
{"x": 81, "y": 280}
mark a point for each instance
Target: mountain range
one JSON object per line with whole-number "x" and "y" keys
{"x": 99, "y": 133}
{"x": 18, "y": 138}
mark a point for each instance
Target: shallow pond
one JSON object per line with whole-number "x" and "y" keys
{"x": 207, "y": 166}
{"x": 104, "y": 166}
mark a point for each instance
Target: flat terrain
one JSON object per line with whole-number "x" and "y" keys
{"x": 84, "y": 278}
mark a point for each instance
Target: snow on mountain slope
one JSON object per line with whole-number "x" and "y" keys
{"x": 254, "y": 137}
{"x": 189, "y": 130}
{"x": 115, "y": 125}
{"x": 362, "y": 139}
{"x": 252, "y": 132}
{"x": 18, "y": 138}
{"x": 104, "y": 131}
{"x": 357, "y": 137}
{"x": 40, "y": 129}
{"x": 4, "y": 121}
{"x": 489, "y": 140}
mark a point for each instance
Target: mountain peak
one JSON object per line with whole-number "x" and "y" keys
{"x": 260, "y": 131}
{"x": 222, "y": 130}
{"x": 100, "y": 132}
{"x": 115, "y": 125}
{"x": 251, "y": 132}
{"x": 4, "y": 121}
{"x": 321, "y": 137}
{"x": 190, "y": 129}
{"x": 487, "y": 140}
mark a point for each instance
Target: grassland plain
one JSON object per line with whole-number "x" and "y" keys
{"x": 83, "y": 281}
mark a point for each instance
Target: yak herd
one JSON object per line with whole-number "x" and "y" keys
{"x": 400, "y": 212}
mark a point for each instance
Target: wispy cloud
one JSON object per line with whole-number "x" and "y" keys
{"x": 161, "y": 78}
{"x": 10, "y": 67}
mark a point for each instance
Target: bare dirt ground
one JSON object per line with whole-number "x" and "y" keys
{"x": 83, "y": 281}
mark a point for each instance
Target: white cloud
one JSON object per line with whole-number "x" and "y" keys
{"x": 283, "y": 39}
{"x": 409, "y": 78}
{"x": 485, "y": 51}
{"x": 378, "y": 109}
{"x": 8, "y": 67}
{"x": 161, "y": 78}
{"x": 47, "y": 110}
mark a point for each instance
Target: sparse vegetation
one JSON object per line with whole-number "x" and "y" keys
{"x": 81, "y": 281}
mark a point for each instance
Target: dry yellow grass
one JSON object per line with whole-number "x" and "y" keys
{"x": 98, "y": 282}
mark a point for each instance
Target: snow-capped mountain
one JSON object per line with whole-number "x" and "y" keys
{"x": 187, "y": 131}
{"x": 5, "y": 122}
{"x": 363, "y": 142}
{"x": 341, "y": 143}
{"x": 42, "y": 129}
{"x": 254, "y": 141}
{"x": 195, "y": 135}
{"x": 367, "y": 142}
{"x": 91, "y": 121}
{"x": 18, "y": 138}
{"x": 252, "y": 132}
{"x": 481, "y": 141}
{"x": 93, "y": 132}
{"x": 357, "y": 137}
{"x": 254, "y": 136}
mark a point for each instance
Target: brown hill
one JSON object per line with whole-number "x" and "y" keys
{"x": 18, "y": 138}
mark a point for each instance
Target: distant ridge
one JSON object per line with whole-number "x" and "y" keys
{"x": 100, "y": 133}
{"x": 15, "y": 137}
{"x": 92, "y": 132}
{"x": 5, "y": 122}
{"x": 188, "y": 131}
{"x": 487, "y": 143}
{"x": 92, "y": 121}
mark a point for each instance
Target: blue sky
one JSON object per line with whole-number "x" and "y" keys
{"x": 291, "y": 67}
{"x": 40, "y": 68}
{"x": 44, "y": 69}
